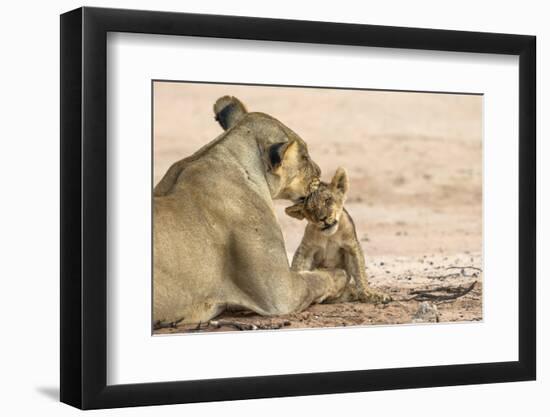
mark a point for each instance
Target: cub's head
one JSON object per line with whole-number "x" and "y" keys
{"x": 323, "y": 206}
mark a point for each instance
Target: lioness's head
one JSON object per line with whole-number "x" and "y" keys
{"x": 290, "y": 172}
{"x": 291, "y": 169}
{"x": 323, "y": 207}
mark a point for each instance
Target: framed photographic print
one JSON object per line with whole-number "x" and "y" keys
{"x": 257, "y": 208}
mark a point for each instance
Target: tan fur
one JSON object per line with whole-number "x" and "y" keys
{"x": 217, "y": 241}
{"x": 330, "y": 239}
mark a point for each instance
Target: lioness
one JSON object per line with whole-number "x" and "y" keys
{"x": 330, "y": 239}
{"x": 217, "y": 241}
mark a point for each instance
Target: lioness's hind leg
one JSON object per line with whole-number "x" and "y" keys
{"x": 194, "y": 313}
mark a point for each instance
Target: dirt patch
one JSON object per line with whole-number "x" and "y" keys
{"x": 402, "y": 277}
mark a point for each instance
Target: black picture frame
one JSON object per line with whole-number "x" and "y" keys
{"x": 84, "y": 207}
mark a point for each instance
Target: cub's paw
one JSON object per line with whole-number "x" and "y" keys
{"x": 376, "y": 297}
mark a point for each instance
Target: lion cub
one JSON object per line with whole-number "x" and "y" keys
{"x": 330, "y": 239}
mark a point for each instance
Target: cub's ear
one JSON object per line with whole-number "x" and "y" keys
{"x": 340, "y": 181}
{"x": 278, "y": 152}
{"x": 296, "y": 211}
{"x": 229, "y": 111}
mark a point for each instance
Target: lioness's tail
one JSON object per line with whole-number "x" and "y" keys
{"x": 229, "y": 110}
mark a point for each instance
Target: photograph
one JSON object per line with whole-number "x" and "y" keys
{"x": 291, "y": 207}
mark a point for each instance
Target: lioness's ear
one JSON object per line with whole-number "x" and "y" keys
{"x": 296, "y": 211}
{"x": 278, "y": 152}
{"x": 229, "y": 110}
{"x": 340, "y": 181}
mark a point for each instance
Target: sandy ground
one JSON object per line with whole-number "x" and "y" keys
{"x": 415, "y": 167}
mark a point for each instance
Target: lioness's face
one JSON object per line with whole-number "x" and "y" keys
{"x": 296, "y": 171}
{"x": 323, "y": 207}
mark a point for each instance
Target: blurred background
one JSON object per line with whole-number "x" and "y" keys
{"x": 414, "y": 159}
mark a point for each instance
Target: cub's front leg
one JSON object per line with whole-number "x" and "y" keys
{"x": 355, "y": 266}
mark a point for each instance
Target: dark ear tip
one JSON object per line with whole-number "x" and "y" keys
{"x": 222, "y": 102}
{"x": 228, "y": 110}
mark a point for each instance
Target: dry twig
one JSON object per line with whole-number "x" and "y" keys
{"x": 442, "y": 277}
{"x": 451, "y": 293}
{"x": 457, "y": 274}
{"x": 171, "y": 325}
{"x": 249, "y": 326}
{"x": 465, "y": 267}
{"x": 236, "y": 324}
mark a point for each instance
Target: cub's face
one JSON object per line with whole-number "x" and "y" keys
{"x": 323, "y": 207}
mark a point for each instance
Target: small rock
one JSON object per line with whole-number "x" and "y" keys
{"x": 426, "y": 313}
